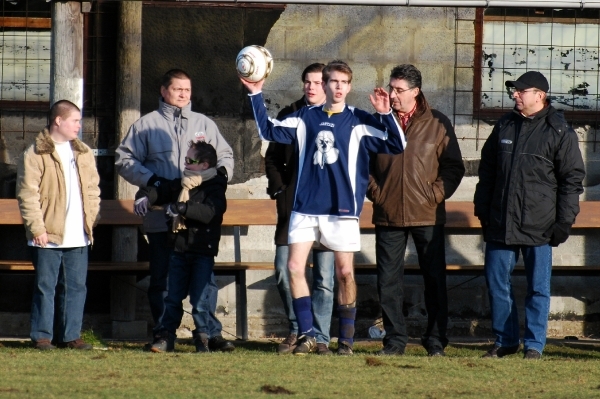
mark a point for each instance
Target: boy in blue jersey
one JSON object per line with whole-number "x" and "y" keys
{"x": 332, "y": 142}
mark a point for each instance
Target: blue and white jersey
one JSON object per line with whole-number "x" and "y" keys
{"x": 333, "y": 153}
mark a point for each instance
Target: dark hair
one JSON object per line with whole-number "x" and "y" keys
{"x": 62, "y": 108}
{"x": 339, "y": 66}
{"x": 204, "y": 152}
{"x": 412, "y": 76}
{"x": 409, "y": 73}
{"x": 316, "y": 67}
{"x": 173, "y": 74}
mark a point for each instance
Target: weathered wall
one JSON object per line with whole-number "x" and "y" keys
{"x": 372, "y": 40}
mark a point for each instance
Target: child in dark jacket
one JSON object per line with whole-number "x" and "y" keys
{"x": 196, "y": 216}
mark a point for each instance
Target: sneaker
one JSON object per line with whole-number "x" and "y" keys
{"x": 43, "y": 345}
{"x": 323, "y": 349}
{"x": 391, "y": 350}
{"x": 344, "y": 348}
{"x": 201, "y": 342}
{"x": 436, "y": 352}
{"x": 163, "y": 343}
{"x": 532, "y": 354}
{"x": 306, "y": 345}
{"x": 78, "y": 344}
{"x": 148, "y": 346}
{"x": 218, "y": 343}
{"x": 501, "y": 351}
{"x": 288, "y": 345}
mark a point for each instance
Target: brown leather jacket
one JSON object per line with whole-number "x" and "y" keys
{"x": 409, "y": 189}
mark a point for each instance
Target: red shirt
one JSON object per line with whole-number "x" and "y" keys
{"x": 406, "y": 117}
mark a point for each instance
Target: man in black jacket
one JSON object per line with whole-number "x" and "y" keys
{"x": 281, "y": 168}
{"x": 527, "y": 198}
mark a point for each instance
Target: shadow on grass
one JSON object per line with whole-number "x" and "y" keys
{"x": 16, "y": 344}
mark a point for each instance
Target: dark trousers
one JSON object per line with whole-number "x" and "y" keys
{"x": 390, "y": 250}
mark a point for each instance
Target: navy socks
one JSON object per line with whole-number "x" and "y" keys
{"x": 302, "y": 309}
{"x": 347, "y": 315}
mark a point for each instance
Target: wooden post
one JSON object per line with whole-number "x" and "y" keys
{"x": 129, "y": 74}
{"x": 66, "y": 68}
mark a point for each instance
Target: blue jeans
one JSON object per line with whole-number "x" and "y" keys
{"x": 322, "y": 290}
{"x": 159, "y": 253}
{"x": 500, "y": 261}
{"x": 191, "y": 273}
{"x": 62, "y": 271}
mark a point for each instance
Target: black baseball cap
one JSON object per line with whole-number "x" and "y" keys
{"x": 531, "y": 79}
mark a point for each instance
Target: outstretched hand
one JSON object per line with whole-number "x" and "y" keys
{"x": 380, "y": 100}
{"x": 253, "y": 87}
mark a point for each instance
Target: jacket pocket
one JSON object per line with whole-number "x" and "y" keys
{"x": 159, "y": 145}
{"x": 538, "y": 211}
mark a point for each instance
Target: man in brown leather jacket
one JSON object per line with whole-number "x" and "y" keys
{"x": 408, "y": 192}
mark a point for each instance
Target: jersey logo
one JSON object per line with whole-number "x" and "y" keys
{"x": 506, "y": 141}
{"x": 326, "y": 153}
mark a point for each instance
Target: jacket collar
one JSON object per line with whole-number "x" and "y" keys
{"x": 170, "y": 112}
{"x": 422, "y": 111}
{"x": 45, "y": 145}
{"x": 544, "y": 112}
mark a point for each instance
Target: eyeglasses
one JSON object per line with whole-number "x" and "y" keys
{"x": 190, "y": 161}
{"x": 397, "y": 90}
{"x": 513, "y": 90}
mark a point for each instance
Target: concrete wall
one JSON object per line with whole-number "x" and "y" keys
{"x": 372, "y": 40}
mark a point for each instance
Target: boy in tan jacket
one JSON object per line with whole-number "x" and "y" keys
{"x": 59, "y": 199}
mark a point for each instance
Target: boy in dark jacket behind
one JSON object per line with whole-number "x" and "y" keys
{"x": 197, "y": 215}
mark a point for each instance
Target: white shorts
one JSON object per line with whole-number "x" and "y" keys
{"x": 336, "y": 233}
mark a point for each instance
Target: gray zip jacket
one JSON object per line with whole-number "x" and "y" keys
{"x": 157, "y": 143}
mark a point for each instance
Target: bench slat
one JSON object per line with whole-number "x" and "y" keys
{"x": 255, "y": 212}
{"x": 27, "y": 266}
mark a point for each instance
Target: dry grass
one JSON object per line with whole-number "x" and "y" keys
{"x": 255, "y": 370}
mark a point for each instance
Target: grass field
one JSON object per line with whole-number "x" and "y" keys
{"x": 255, "y": 370}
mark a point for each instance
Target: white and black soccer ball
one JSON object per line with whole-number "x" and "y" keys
{"x": 254, "y": 63}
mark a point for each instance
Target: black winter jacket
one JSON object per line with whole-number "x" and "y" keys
{"x": 203, "y": 216}
{"x": 530, "y": 177}
{"x": 281, "y": 165}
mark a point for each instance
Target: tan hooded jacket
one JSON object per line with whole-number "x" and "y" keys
{"x": 41, "y": 189}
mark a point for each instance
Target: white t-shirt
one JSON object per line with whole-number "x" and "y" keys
{"x": 74, "y": 235}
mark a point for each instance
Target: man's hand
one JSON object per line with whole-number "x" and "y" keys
{"x": 41, "y": 240}
{"x": 253, "y": 87}
{"x": 560, "y": 233}
{"x": 380, "y": 99}
{"x": 176, "y": 208}
{"x": 140, "y": 206}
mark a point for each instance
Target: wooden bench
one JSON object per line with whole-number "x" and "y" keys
{"x": 243, "y": 213}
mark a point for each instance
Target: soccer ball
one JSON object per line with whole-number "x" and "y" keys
{"x": 254, "y": 63}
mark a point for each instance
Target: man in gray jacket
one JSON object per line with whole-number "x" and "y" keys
{"x": 153, "y": 154}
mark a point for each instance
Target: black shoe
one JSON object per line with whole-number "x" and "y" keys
{"x": 288, "y": 345}
{"x": 532, "y": 354}
{"x": 435, "y": 352}
{"x": 391, "y": 350}
{"x": 306, "y": 345}
{"x": 218, "y": 343}
{"x": 344, "y": 348}
{"x": 201, "y": 342}
{"x": 501, "y": 351}
{"x": 164, "y": 342}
